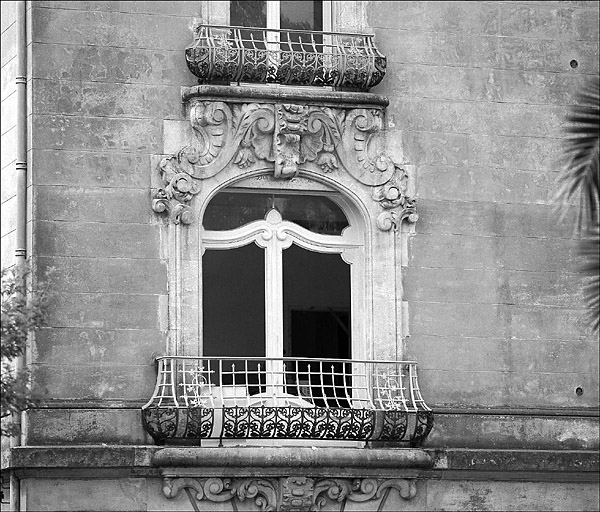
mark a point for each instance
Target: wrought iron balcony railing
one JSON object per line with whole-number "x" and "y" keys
{"x": 198, "y": 398}
{"x": 224, "y": 54}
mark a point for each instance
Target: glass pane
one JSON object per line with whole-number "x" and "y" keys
{"x": 249, "y": 13}
{"x": 230, "y": 210}
{"x": 302, "y": 15}
{"x": 233, "y": 298}
{"x": 316, "y": 298}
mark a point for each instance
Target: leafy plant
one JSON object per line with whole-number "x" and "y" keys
{"x": 23, "y": 312}
{"x": 580, "y": 180}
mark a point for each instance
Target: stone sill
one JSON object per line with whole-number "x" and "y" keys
{"x": 268, "y": 93}
{"x": 154, "y": 461}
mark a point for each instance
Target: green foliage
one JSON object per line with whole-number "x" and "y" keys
{"x": 23, "y": 312}
{"x": 580, "y": 180}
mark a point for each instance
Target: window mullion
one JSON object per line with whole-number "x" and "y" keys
{"x": 274, "y": 314}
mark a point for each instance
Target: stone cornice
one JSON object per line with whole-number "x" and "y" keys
{"x": 256, "y": 93}
{"x": 509, "y": 464}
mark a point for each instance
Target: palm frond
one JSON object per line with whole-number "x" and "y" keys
{"x": 580, "y": 178}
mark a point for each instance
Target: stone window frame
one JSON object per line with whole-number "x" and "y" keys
{"x": 186, "y": 182}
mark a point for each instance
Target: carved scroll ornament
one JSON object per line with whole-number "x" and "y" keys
{"x": 291, "y": 493}
{"x": 286, "y": 136}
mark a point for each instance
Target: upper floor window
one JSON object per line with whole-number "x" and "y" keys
{"x": 293, "y": 17}
{"x": 298, "y": 15}
{"x": 285, "y": 43}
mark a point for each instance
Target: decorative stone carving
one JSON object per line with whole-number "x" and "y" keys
{"x": 289, "y": 137}
{"x": 291, "y": 493}
{"x": 180, "y": 186}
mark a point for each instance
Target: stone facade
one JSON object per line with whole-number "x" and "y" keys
{"x": 486, "y": 291}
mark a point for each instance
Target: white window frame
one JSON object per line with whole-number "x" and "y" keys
{"x": 274, "y": 235}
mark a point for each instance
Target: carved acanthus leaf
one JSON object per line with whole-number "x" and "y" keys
{"x": 179, "y": 187}
{"x": 288, "y": 136}
{"x": 393, "y": 219}
{"x": 363, "y": 156}
{"x": 287, "y": 493}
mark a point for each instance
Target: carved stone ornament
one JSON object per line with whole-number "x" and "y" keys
{"x": 291, "y": 493}
{"x": 287, "y": 137}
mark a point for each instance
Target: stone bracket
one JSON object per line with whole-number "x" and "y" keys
{"x": 288, "y": 493}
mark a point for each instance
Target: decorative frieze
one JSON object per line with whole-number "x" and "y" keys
{"x": 288, "y": 493}
{"x": 287, "y": 138}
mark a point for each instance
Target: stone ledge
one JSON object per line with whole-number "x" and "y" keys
{"x": 236, "y": 93}
{"x": 427, "y": 463}
{"x": 288, "y": 460}
{"x": 572, "y": 461}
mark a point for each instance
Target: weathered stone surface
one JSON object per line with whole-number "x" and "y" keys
{"x": 479, "y": 218}
{"x": 540, "y": 22}
{"x": 9, "y": 71}
{"x": 511, "y": 496}
{"x": 9, "y": 154}
{"x": 107, "y": 275}
{"x": 484, "y": 184}
{"x": 8, "y": 215}
{"x": 477, "y": 118}
{"x": 8, "y": 41}
{"x": 105, "y": 311}
{"x": 175, "y": 8}
{"x": 92, "y": 169}
{"x": 117, "y": 381}
{"x": 98, "y": 346}
{"x": 8, "y": 185}
{"x": 494, "y": 287}
{"x": 493, "y": 252}
{"x": 85, "y": 426}
{"x": 526, "y": 430}
{"x": 8, "y": 14}
{"x": 484, "y": 85}
{"x": 503, "y": 355}
{"x": 105, "y": 134}
{"x": 479, "y": 19}
{"x": 105, "y": 494}
{"x": 9, "y": 113}
{"x": 463, "y": 150}
{"x": 79, "y": 204}
{"x": 7, "y": 247}
{"x": 115, "y": 29}
{"x": 507, "y": 389}
{"x": 96, "y": 240}
{"x": 499, "y": 320}
{"x": 100, "y": 99}
{"x": 109, "y": 64}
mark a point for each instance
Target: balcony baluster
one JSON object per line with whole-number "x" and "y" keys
{"x": 199, "y": 398}
{"x": 224, "y": 54}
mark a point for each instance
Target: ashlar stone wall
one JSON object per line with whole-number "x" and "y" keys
{"x": 479, "y": 93}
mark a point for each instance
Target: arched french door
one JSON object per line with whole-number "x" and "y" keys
{"x": 277, "y": 276}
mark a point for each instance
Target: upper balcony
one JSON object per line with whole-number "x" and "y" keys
{"x": 225, "y": 54}
{"x": 200, "y": 398}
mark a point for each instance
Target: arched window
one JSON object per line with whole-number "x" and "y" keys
{"x": 277, "y": 275}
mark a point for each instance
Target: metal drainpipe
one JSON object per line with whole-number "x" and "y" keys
{"x": 21, "y": 171}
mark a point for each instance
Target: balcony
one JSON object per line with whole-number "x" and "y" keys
{"x": 202, "y": 398}
{"x": 223, "y": 54}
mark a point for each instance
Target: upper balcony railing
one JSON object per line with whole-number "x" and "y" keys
{"x": 224, "y": 54}
{"x": 200, "y": 398}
